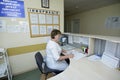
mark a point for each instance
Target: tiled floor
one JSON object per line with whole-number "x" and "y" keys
{"x": 31, "y": 75}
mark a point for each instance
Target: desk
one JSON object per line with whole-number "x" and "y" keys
{"x": 84, "y": 69}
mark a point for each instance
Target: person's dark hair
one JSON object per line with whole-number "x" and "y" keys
{"x": 54, "y": 33}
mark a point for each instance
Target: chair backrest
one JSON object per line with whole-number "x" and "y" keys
{"x": 39, "y": 61}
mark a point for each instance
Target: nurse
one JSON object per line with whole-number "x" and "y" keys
{"x": 53, "y": 59}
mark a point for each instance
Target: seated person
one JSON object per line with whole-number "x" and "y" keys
{"x": 54, "y": 59}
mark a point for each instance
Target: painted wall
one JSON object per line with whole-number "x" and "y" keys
{"x": 93, "y": 21}
{"x": 25, "y": 62}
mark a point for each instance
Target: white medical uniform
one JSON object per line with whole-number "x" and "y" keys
{"x": 53, "y": 51}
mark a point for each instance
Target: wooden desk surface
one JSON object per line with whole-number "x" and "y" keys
{"x": 84, "y": 69}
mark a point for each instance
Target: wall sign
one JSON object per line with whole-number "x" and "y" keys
{"x": 12, "y": 8}
{"x": 45, "y": 3}
{"x": 113, "y": 22}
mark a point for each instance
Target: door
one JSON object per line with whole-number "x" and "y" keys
{"x": 75, "y": 28}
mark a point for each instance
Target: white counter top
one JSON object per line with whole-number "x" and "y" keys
{"x": 84, "y": 69}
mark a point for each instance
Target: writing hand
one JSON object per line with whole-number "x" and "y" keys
{"x": 70, "y": 55}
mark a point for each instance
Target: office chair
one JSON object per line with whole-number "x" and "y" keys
{"x": 43, "y": 67}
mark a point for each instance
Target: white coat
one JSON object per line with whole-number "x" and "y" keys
{"x": 53, "y": 51}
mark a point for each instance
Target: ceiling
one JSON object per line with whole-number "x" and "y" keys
{"x": 76, "y": 6}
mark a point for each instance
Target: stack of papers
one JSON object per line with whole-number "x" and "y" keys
{"x": 94, "y": 58}
{"x": 77, "y": 55}
{"x": 110, "y": 60}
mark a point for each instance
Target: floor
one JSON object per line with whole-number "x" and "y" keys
{"x": 31, "y": 75}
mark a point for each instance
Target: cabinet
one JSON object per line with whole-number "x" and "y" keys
{"x": 5, "y": 71}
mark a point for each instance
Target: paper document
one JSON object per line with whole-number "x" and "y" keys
{"x": 49, "y": 29}
{"x": 56, "y": 27}
{"x": 43, "y": 30}
{"x": 110, "y": 61}
{"x": 70, "y": 39}
{"x": 2, "y": 26}
{"x": 34, "y": 18}
{"x": 42, "y": 18}
{"x": 35, "y": 29}
{"x": 55, "y": 19}
{"x": 77, "y": 55}
{"x": 94, "y": 58}
{"x": 49, "y": 19}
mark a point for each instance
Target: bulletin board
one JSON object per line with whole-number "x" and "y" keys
{"x": 42, "y": 22}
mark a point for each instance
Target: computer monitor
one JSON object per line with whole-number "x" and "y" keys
{"x": 64, "y": 40}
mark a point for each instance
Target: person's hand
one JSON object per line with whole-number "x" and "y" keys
{"x": 64, "y": 51}
{"x": 70, "y": 55}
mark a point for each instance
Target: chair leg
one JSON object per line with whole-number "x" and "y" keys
{"x": 46, "y": 76}
{"x": 50, "y": 75}
{"x": 43, "y": 77}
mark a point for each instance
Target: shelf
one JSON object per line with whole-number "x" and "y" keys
{"x": 5, "y": 71}
{"x": 3, "y": 75}
{"x": 109, "y": 38}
